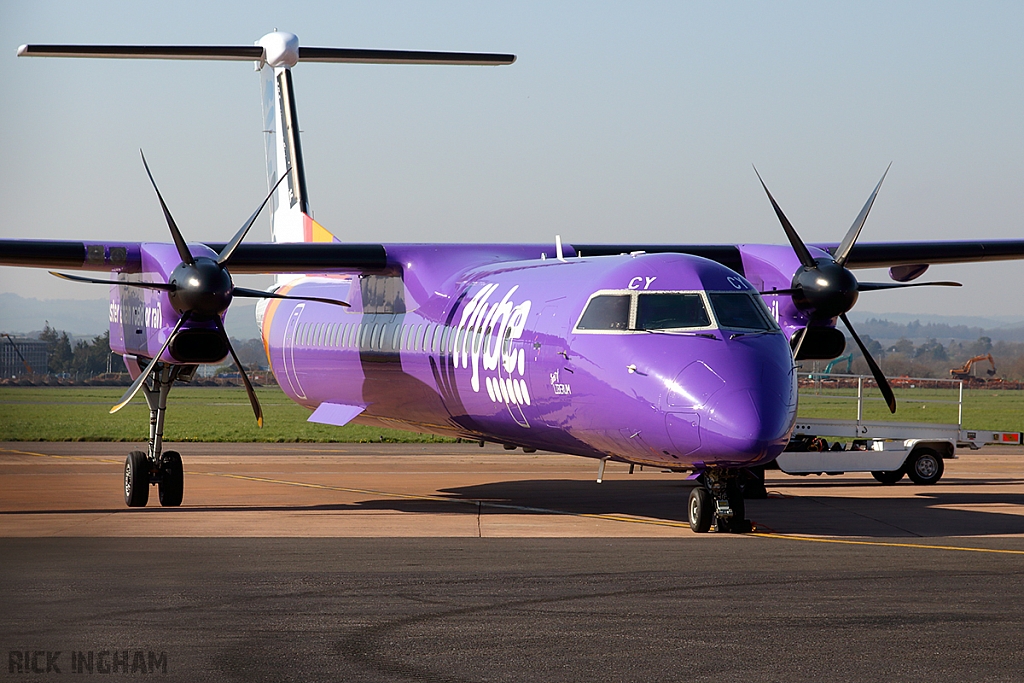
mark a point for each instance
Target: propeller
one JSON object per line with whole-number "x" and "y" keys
{"x": 826, "y": 289}
{"x": 200, "y": 289}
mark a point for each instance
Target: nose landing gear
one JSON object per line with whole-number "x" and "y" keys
{"x": 718, "y": 499}
{"x": 155, "y": 467}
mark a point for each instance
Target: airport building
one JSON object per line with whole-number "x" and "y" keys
{"x": 18, "y": 354}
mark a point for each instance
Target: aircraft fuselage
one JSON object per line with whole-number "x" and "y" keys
{"x": 500, "y": 352}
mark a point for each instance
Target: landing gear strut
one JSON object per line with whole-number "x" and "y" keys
{"x": 156, "y": 467}
{"x": 718, "y": 499}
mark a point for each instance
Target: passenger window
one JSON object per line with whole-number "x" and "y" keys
{"x": 670, "y": 311}
{"x": 741, "y": 311}
{"x": 606, "y": 312}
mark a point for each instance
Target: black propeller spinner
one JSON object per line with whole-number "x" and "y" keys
{"x": 200, "y": 289}
{"x": 825, "y": 288}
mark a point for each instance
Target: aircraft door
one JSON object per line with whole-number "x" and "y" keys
{"x": 291, "y": 330}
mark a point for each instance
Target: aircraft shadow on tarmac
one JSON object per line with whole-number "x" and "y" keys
{"x": 916, "y": 512}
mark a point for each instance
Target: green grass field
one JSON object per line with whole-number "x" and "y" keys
{"x": 997, "y": 410}
{"x": 194, "y": 414}
{"x": 223, "y": 414}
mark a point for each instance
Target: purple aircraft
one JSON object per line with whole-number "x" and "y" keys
{"x": 675, "y": 356}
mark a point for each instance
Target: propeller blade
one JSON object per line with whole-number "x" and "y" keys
{"x": 245, "y": 378}
{"x": 875, "y": 286}
{"x": 883, "y": 383}
{"x": 780, "y": 292}
{"x": 229, "y": 248}
{"x": 799, "y": 343}
{"x": 257, "y": 294}
{"x": 179, "y": 241}
{"x": 141, "y": 379}
{"x": 163, "y": 286}
{"x": 843, "y": 252}
{"x": 798, "y": 245}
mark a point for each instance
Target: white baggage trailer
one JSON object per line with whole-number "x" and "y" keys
{"x": 889, "y": 450}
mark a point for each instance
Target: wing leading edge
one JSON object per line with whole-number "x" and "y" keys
{"x": 126, "y": 257}
{"x": 865, "y": 255}
{"x": 326, "y": 257}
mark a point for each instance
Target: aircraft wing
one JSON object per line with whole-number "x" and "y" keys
{"x": 888, "y": 254}
{"x": 126, "y": 257}
{"x": 321, "y": 257}
{"x": 864, "y": 255}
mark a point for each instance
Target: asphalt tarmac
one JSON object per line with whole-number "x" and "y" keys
{"x": 454, "y": 563}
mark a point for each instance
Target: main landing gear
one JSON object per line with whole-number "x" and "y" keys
{"x": 141, "y": 470}
{"x": 718, "y": 500}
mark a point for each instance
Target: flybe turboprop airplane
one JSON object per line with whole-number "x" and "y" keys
{"x": 676, "y": 356}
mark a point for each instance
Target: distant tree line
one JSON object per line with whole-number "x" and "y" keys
{"x": 84, "y": 359}
{"x": 932, "y": 358}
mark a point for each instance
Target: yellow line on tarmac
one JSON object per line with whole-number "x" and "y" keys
{"x": 62, "y": 457}
{"x": 526, "y": 508}
{"x": 924, "y": 546}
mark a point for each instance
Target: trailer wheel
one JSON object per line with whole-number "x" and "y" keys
{"x": 925, "y": 466}
{"x": 888, "y": 477}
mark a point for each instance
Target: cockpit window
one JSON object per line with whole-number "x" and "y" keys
{"x": 606, "y": 312}
{"x": 739, "y": 310}
{"x": 670, "y": 311}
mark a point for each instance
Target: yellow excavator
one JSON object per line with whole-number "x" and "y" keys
{"x": 964, "y": 372}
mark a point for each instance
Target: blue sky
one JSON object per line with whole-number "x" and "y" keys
{"x": 618, "y": 122}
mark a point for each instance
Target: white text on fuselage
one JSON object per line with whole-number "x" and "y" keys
{"x": 140, "y": 316}
{"x": 485, "y": 335}
{"x": 560, "y": 388}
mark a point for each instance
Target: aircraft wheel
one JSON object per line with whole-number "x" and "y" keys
{"x": 925, "y": 466}
{"x": 888, "y": 477}
{"x": 700, "y": 510}
{"x": 172, "y": 480}
{"x": 136, "y": 480}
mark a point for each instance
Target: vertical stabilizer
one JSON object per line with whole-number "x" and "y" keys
{"x": 289, "y": 216}
{"x": 289, "y": 203}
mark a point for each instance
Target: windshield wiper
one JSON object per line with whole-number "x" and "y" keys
{"x": 736, "y": 335}
{"x": 705, "y": 335}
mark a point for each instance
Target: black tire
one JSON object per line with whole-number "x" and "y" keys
{"x": 924, "y": 466}
{"x": 172, "y": 480}
{"x": 136, "y": 480}
{"x": 888, "y": 477}
{"x": 700, "y": 510}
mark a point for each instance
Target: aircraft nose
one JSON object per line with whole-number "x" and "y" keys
{"x": 750, "y": 426}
